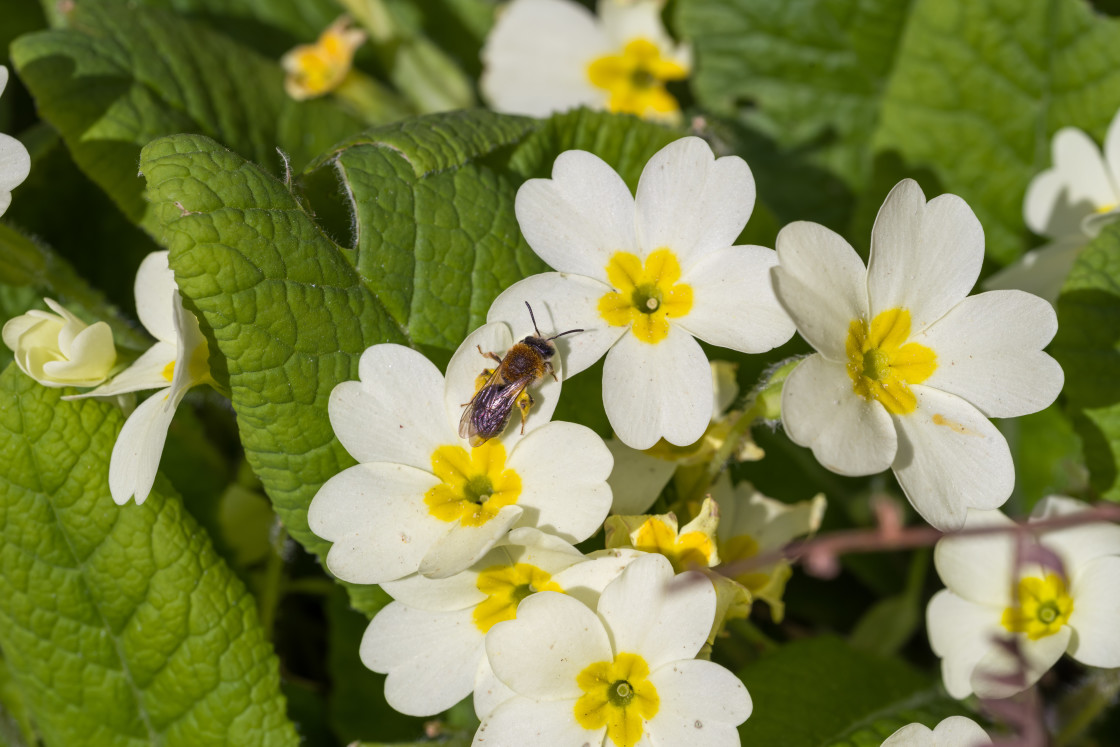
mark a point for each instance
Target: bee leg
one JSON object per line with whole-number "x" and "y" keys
{"x": 550, "y": 371}
{"x": 491, "y": 356}
{"x": 524, "y": 402}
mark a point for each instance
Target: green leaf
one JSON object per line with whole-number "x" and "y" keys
{"x": 122, "y": 75}
{"x": 16, "y": 728}
{"x": 289, "y": 312}
{"x": 973, "y": 90}
{"x": 1088, "y": 347}
{"x": 819, "y": 692}
{"x": 120, "y": 625}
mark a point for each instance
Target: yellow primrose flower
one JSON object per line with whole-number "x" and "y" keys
{"x": 317, "y": 69}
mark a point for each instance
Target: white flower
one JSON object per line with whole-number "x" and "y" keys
{"x": 751, "y": 524}
{"x": 430, "y": 640}
{"x": 908, "y": 370}
{"x": 1043, "y": 611}
{"x": 639, "y": 476}
{"x": 955, "y": 731}
{"x": 622, "y": 674}
{"x": 174, "y": 364}
{"x": 546, "y": 56}
{"x": 15, "y": 162}
{"x": 424, "y": 500}
{"x": 1068, "y": 203}
{"x": 645, "y": 276}
{"x": 59, "y": 349}
{"x": 315, "y": 70}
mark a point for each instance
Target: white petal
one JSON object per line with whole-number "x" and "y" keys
{"x": 1076, "y": 185}
{"x": 733, "y": 300}
{"x": 430, "y": 657}
{"x": 636, "y": 479}
{"x": 822, "y": 283}
{"x": 563, "y": 469}
{"x": 376, "y": 518}
{"x": 456, "y": 592}
{"x": 958, "y": 731}
{"x": 989, "y": 352}
{"x": 146, "y": 372}
{"x": 1038, "y": 657}
{"x": 489, "y": 691}
{"x": 660, "y": 390}
{"x": 960, "y": 632}
{"x": 396, "y": 412}
{"x": 625, "y": 20}
{"x": 526, "y": 723}
{"x": 15, "y": 164}
{"x": 925, "y": 257}
{"x": 848, "y": 434}
{"x": 979, "y": 567}
{"x": 660, "y": 617}
{"x": 1040, "y": 271}
{"x": 155, "y": 296}
{"x": 192, "y": 366}
{"x": 1112, "y": 152}
{"x": 950, "y": 458}
{"x": 463, "y": 546}
{"x": 536, "y": 57}
{"x": 691, "y": 202}
{"x": 701, "y": 703}
{"x": 3, "y": 78}
{"x": 1077, "y": 545}
{"x": 541, "y": 652}
{"x": 139, "y": 446}
{"x": 580, "y": 217}
{"x": 1096, "y": 610}
{"x": 911, "y": 735}
{"x": 560, "y": 303}
{"x": 585, "y": 581}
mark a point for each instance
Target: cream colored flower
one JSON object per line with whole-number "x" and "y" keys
{"x": 15, "y": 162}
{"x": 60, "y": 349}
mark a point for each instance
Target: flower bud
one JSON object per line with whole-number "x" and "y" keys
{"x": 60, "y": 349}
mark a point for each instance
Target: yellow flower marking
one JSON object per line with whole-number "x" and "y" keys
{"x": 1107, "y": 208}
{"x": 169, "y": 371}
{"x": 740, "y": 548}
{"x": 474, "y": 486}
{"x": 317, "y": 69}
{"x": 635, "y": 79}
{"x": 645, "y": 297}
{"x": 882, "y": 364}
{"x": 688, "y": 550}
{"x": 1044, "y": 606}
{"x": 505, "y": 586}
{"x": 618, "y": 695}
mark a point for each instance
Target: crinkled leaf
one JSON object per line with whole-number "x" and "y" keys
{"x": 289, "y": 311}
{"x": 120, "y": 625}
{"x": 820, "y": 692}
{"x": 970, "y": 89}
{"x": 1088, "y": 347}
{"x": 121, "y": 75}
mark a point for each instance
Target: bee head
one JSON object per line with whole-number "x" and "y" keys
{"x": 541, "y": 345}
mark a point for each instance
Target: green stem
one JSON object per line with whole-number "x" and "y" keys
{"x": 1087, "y": 704}
{"x": 739, "y": 429}
{"x": 750, "y": 633}
{"x": 273, "y": 582}
{"x": 318, "y": 587}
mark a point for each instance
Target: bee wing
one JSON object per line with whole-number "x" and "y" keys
{"x": 488, "y": 412}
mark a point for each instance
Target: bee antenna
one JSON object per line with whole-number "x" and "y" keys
{"x": 570, "y": 331}
{"x": 530, "y": 308}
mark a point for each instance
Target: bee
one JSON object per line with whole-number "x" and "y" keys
{"x": 500, "y": 388}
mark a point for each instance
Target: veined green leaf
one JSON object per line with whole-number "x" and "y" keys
{"x": 121, "y": 75}
{"x": 119, "y": 625}
{"x": 820, "y": 692}
{"x": 973, "y": 90}
{"x": 1088, "y": 347}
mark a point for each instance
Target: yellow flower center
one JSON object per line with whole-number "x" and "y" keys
{"x": 882, "y": 364}
{"x": 474, "y": 486}
{"x": 505, "y": 586}
{"x": 1044, "y": 606}
{"x": 645, "y": 297}
{"x": 685, "y": 551}
{"x": 1107, "y": 208}
{"x": 635, "y": 79}
{"x": 618, "y": 695}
